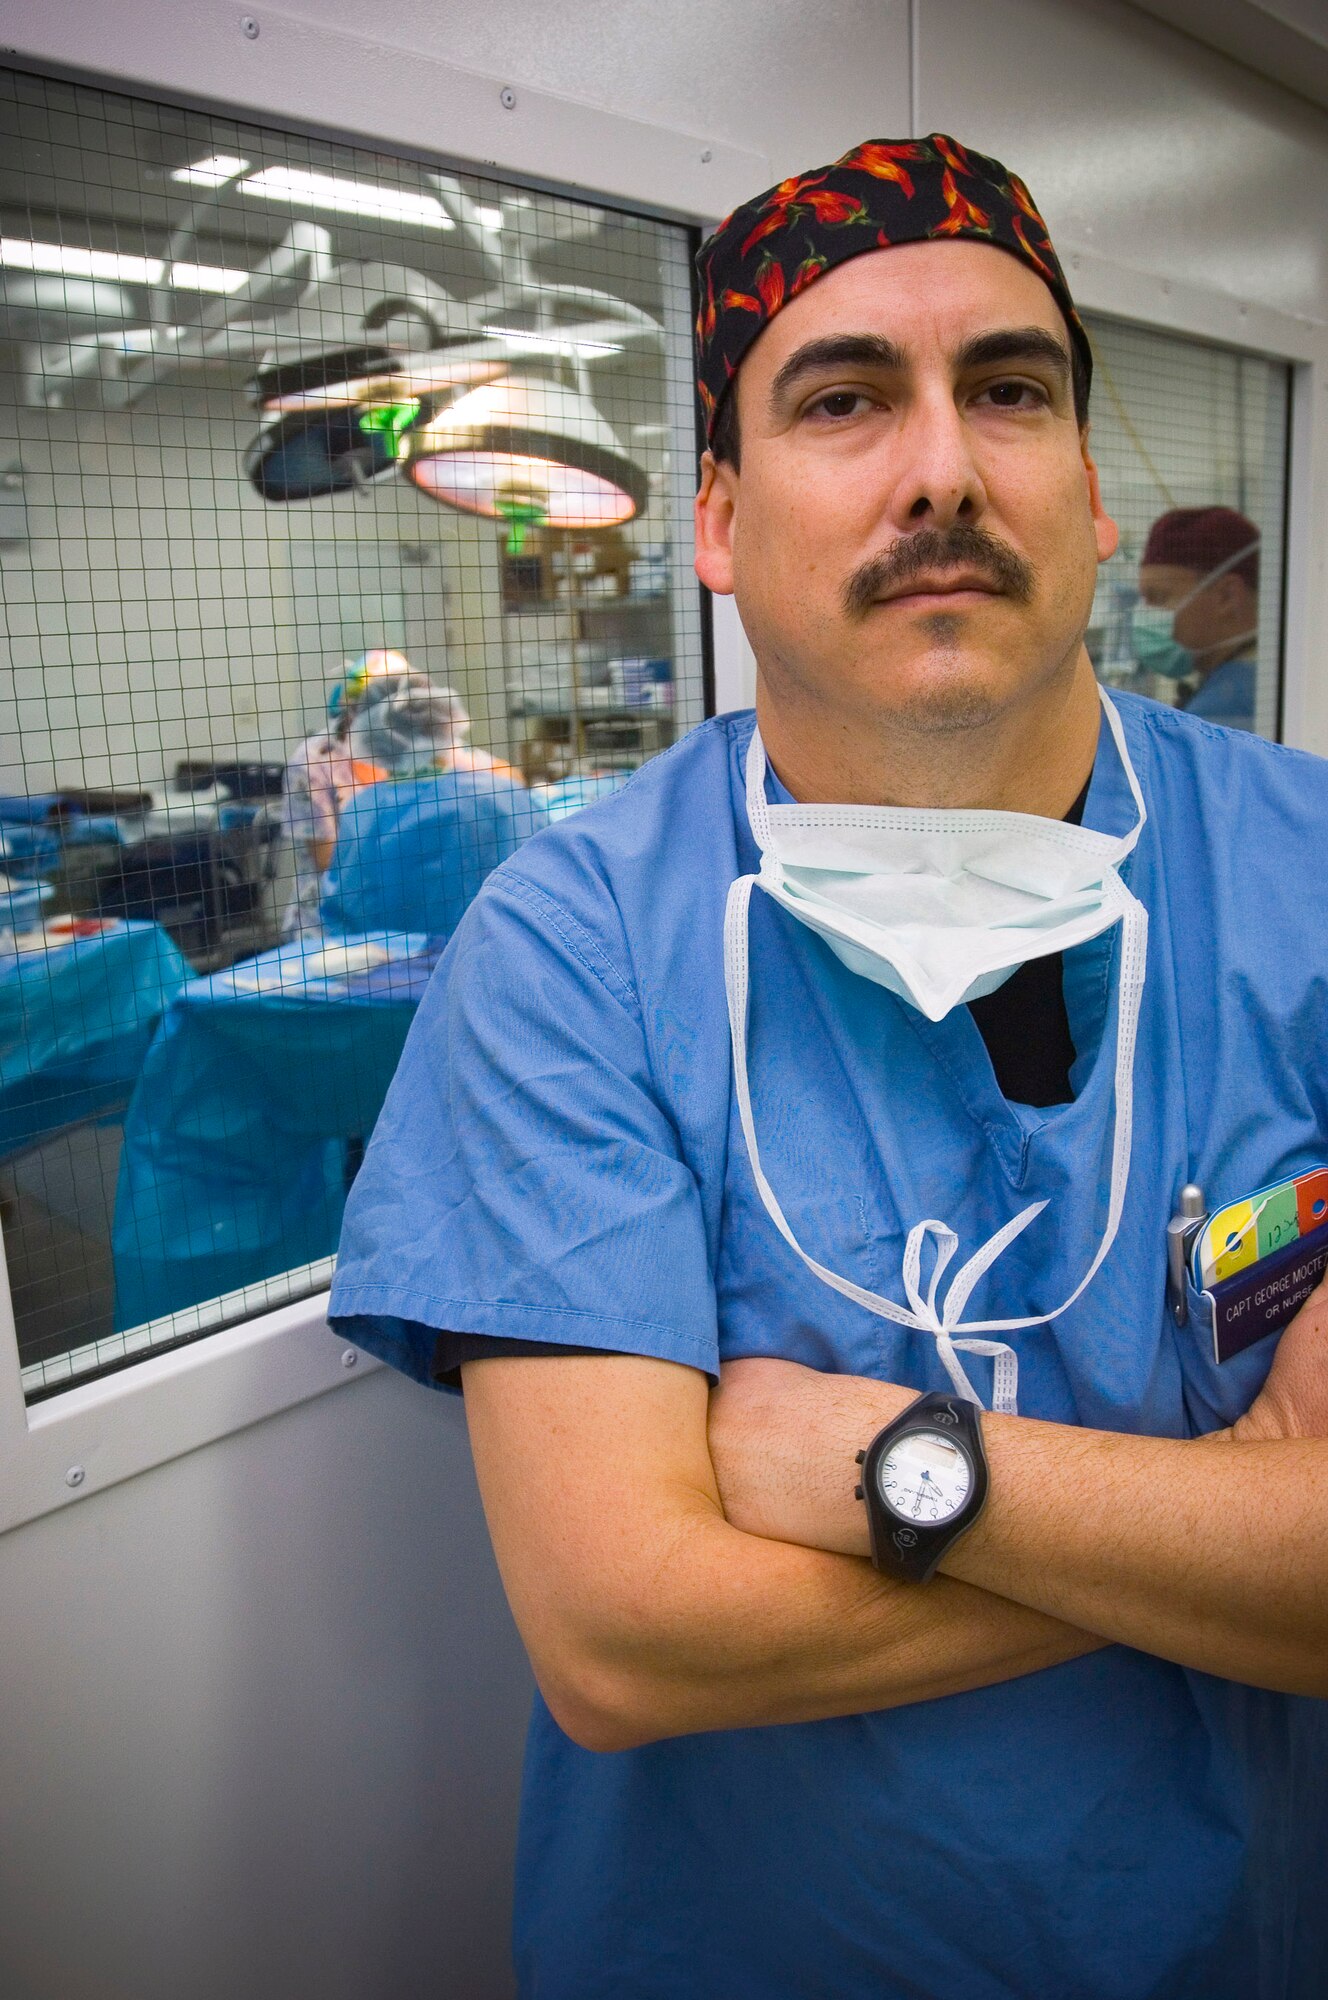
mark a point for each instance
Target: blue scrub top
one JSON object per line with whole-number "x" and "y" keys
{"x": 1226, "y": 696}
{"x": 560, "y": 1159}
{"x": 412, "y": 852}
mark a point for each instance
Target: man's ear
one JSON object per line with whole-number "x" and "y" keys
{"x": 1236, "y": 593}
{"x": 715, "y": 509}
{"x": 1105, "y": 531}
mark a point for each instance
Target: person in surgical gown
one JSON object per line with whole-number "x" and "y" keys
{"x": 413, "y": 848}
{"x": 321, "y": 775}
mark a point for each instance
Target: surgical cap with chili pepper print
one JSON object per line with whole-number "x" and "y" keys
{"x": 883, "y": 193}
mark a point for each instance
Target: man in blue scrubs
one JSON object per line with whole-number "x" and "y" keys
{"x": 1198, "y": 619}
{"x": 654, "y": 1129}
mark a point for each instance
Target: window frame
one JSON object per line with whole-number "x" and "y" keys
{"x": 310, "y": 79}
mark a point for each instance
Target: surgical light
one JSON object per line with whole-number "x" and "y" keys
{"x": 304, "y": 456}
{"x": 526, "y": 450}
{"x": 214, "y": 171}
{"x": 390, "y": 421}
{"x": 365, "y": 374}
{"x": 299, "y": 188}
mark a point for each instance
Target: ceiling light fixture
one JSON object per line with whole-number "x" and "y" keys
{"x": 214, "y": 171}
{"x": 67, "y": 262}
{"x": 300, "y": 189}
{"x": 529, "y": 445}
{"x": 206, "y": 278}
{"x": 519, "y": 338}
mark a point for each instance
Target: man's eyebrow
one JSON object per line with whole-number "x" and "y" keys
{"x": 837, "y": 350}
{"x": 873, "y": 350}
{"x": 1014, "y": 343}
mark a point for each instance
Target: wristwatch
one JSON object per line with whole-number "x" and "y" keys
{"x": 924, "y": 1479}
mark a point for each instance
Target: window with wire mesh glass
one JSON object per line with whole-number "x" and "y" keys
{"x": 344, "y": 543}
{"x": 1190, "y": 440}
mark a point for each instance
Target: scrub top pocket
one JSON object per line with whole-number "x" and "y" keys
{"x": 1216, "y": 1392}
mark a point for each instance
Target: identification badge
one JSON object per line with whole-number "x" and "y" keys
{"x": 1257, "y": 1261}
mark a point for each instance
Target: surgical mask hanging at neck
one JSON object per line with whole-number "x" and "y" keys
{"x": 940, "y": 908}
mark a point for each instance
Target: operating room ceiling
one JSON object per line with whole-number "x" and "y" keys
{"x": 159, "y": 275}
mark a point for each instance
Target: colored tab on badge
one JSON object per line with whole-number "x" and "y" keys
{"x": 1230, "y": 1242}
{"x": 1311, "y": 1199}
{"x": 1276, "y": 1219}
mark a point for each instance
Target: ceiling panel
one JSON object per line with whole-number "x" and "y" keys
{"x": 1286, "y": 40}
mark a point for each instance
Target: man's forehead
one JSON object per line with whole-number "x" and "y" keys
{"x": 917, "y": 293}
{"x": 931, "y": 197}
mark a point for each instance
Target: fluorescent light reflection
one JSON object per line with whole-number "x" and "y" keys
{"x": 65, "y": 262}
{"x": 214, "y": 171}
{"x": 521, "y": 340}
{"x": 301, "y": 189}
{"x": 61, "y": 260}
{"x": 489, "y": 218}
{"x": 206, "y": 278}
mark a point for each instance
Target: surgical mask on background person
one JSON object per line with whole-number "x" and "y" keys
{"x": 1153, "y": 628}
{"x": 1156, "y": 648}
{"x": 941, "y": 907}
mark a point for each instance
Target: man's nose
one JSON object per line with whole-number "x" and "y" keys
{"x": 937, "y": 480}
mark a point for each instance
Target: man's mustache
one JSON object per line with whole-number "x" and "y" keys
{"x": 936, "y": 550}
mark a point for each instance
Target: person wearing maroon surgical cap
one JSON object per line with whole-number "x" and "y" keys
{"x": 914, "y": 1509}
{"x": 1199, "y": 615}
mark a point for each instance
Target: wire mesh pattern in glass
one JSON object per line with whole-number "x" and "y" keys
{"x": 1191, "y": 444}
{"x": 344, "y": 543}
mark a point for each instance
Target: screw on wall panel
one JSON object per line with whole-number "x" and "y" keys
{"x": 507, "y": 97}
{"x": 249, "y": 27}
{"x": 349, "y": 1358}
{"x": 75, "y": 1476}
{"x": 706, "y": 157}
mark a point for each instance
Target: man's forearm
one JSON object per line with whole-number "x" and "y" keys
{"x": 1210, "y": 1552}
{"x": 743, "y": 1632}
{"x": 646, "y": 1614}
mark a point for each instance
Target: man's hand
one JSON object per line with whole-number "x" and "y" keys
{"x": 1293, "y": 1402}
{"x": 783, "y": 1439}
{"x": 1224, "y": 1568}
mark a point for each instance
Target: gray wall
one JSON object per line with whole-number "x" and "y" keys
{"x": 262, "y": 1722}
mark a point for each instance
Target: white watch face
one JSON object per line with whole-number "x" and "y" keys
{"x": 925, "y": 1477}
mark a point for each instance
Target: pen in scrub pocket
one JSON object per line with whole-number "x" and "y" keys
{"x": 1180, "y": 1234}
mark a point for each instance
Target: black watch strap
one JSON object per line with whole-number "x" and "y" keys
{"x": 912, "y": 1548}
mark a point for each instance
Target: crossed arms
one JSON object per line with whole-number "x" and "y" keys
{"x": 678, "y": 1561}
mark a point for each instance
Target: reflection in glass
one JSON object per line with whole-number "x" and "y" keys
{"x": 344, "y": 511}
{"x": 1190, "y": 443}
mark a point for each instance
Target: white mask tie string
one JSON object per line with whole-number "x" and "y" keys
{"x": 945, "y": 1323}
